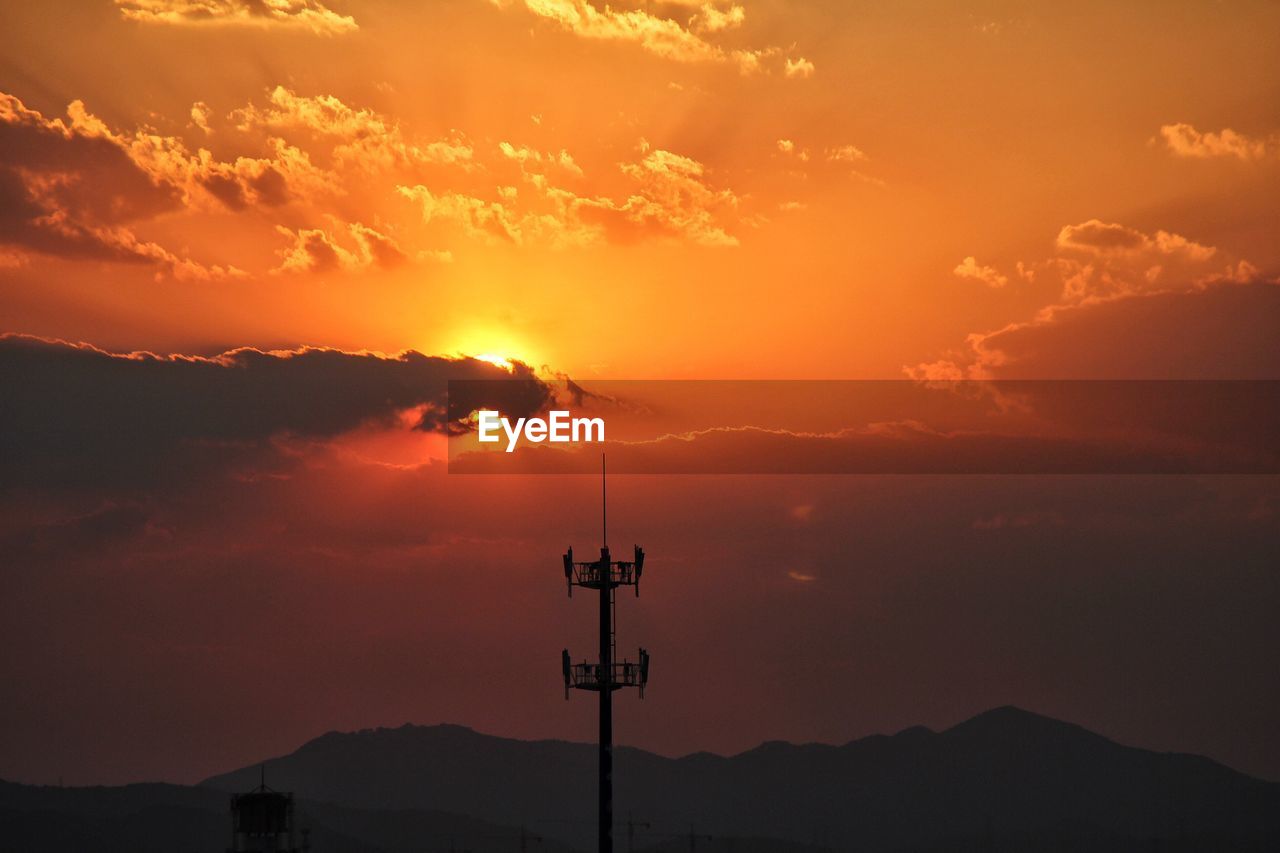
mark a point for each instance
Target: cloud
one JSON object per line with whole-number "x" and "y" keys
{"x": 1126, "y": 297}
{"x": 838, "y": 155}
{"x": 72, "y": 189}
{"x": 309, "y": 15}
{"x": 1225, "y": 331}
{"x": 146, "y": 173}
{"x": 248, "y": 182}
{"x": 77, "y": 167}
{"x": 529, "y": 158}
{"x": 366, "y": 139}
{"x": 78, "y": 188}
{"x": 1101, "y": 238}
{"x": 789, "y": 148}
{"x": 799, "y": 68}
{"x": 671, "y": 199}
{"x": 711, "y": 19}
{"x": 990, "y": 276}
{"x": 1183, "y": 140}
{"x": 200, "y": 115}
{"x": 537, "y": 166}
{"x": 315, "y": 250}
{"x": 665, "y": 37}
{"x": 75, "y": 414}
{"x": 674, "y": 199}
{"x": 845, "y": 154}
{"x": 478, "y": 217}
{"x": 201, "y": 179}
{"x": 1103, "y": 260}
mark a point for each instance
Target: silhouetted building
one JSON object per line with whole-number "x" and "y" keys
{"x": 263, "y": 820}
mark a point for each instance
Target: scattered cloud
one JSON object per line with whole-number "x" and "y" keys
{"x": 1183, "y": 140}
{"x": 366, "y": 139}
{"x": 79, "y": 189}
{"x": 665, "y": 37}
{"x": 309, "y": 15}
{"x": 72, "y": 189}
{"x": 990, "y": 276}
{"x": 1105, "y": 259}
{"x": 788, "y": 147}
{"x": 845, "y": 154}
{"x": 834, "y": 156}
{"x": 288, "y": 174}
{"x": 1125, "y": 295}
{"x": 533, "y": 163}
{"x": 1104, "y": 238}
{"x": 671, "y": 198}
{"x": 711, "y": 19}
{"x": 316, "y": 250}
{"x": 799, "y": 68}
{"x": 674, "y": 199}
{"x": 200, "y": 115}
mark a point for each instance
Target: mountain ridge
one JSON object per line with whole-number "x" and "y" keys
{"x": 1017, "y": 770}
{"x": 1003, "y": 713}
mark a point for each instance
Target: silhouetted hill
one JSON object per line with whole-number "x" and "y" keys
{"x": 1006, "y": 774}
{"x": 157, "y": 818}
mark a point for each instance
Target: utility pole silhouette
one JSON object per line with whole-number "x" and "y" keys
{"x": 607, "y": 675}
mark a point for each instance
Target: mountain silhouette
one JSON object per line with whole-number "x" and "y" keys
{"x": 1006, "y": 776}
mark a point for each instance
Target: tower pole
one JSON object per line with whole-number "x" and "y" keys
{"x": 606, "y": 717}
{"x": 606, "y": 675}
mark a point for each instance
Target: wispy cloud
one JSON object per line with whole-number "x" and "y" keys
{"x": 301, "y": 14}
{"x": 666, "y": 37}
{"x": 365, "y": 138}
{"x": 1184, "y": 140}
{"x": 671, "y": 198}
{"x": 971, "y": 269}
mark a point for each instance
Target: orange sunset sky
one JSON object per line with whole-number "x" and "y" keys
{"x": 244, "y": 242}
{"x": 724, "y": 189}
